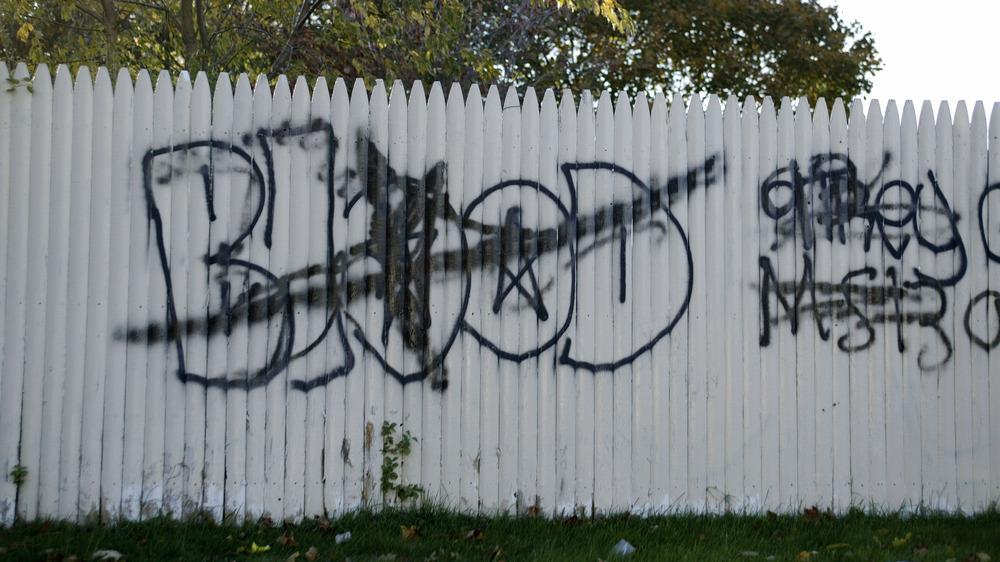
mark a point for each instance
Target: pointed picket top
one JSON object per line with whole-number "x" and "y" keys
{"x": 839, "y": 107}
{"x": 42, "y": 77}
{"x": 695, "y": 105}
{"x": 417, "y": 95}
{"x": 857, "y": 115}
{"x": 622, "y": 108}
{"x": 223, "y": 96}
{"x": 282, "y": 93}
{"x": 978, "y": 112}
{"x": 64, "y": 81}
{"x": 201, "y": 86}
{"x": 732, "y": 105}
{"x": 338, "y": 85}
{"x": 961, "y": 113}
{"x": 677, "y": 109}
{"x": 874, "y": 109}
{"x": 714, "y": 105}
{"x": 163, "y": 81}
{"x": 713, "y": 114}
{"x": 261, "y": 86}
{"x": 435, "y": 99}
{"x": 750, "y": 114}
{"x": 42, "y": 82}
{"x": 358, "y": 91}
{"x": 243, "y": 89}
{"x": 300, "y": 89}
{"x": 183, "y": 79}
{"x": 397, "y": 97}
{"x": 321, "y": 97}
{"x": 21, "y": 72}
{"x": 926, "y": 115}
{"x": 530, "y": 99}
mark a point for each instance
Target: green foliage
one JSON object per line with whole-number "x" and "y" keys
{"x": 742, "y": 47}
{"x": 394, "y": 452}
{"x": 19, "y": 475}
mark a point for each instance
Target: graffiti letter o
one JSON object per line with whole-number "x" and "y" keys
{"x": 982, "y": 222}
{"x": 990, "y": 344}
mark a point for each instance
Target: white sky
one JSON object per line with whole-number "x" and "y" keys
{"x": 932, "y": 49}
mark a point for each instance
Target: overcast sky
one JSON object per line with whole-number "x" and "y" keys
{"x": 932, "y": 49}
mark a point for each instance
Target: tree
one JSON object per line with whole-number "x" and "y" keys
{"x": 406, "y": 39}
{"x": 741, "y": 47}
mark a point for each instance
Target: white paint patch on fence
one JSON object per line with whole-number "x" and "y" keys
{"x": 217, "y": 301}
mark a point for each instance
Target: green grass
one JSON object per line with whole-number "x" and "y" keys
{"x": 435, "y": 534}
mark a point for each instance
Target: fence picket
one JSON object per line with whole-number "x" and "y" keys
{"x": 528, "y": 454}
{"x": 978, "y": 314}
{"x": 440, "y": 288}
{"x": 659, "y": 281}
{"x": 605, "y": 292}
{"x": 643, "y": 423}
{"x": 865, "y": 370}
{"x": 678, "y": 281}
{"x": 473, "y": 352}
{"x": 452, "y": 427}
{"x": 354, "y": 443}
{"x": 54, "y": 368}
{"x": 76, "y": 315}
{"x": 40, "y": 168}
{"x": 753, "y": 398}
{"x": 566, "y": 387}
{"x": 961, "y": 187}
{"x": 716, "y": 377}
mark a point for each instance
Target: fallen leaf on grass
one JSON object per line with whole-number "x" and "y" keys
{"x": 409, "y": 532}
{"x": 254, "y": 548}
{"x": 898, "y": 542}
{"x": 804, "y": 555}
{"x": 312, "y": 553}
{"x": 287, "y": 539}
{"x": 837, "y": 545}
{"x": 474, "y": 534}
{"x": 497, "y": 553}
{"x": 106, "y": 555}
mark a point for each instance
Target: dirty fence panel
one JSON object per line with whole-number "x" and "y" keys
{"x": 255, "y": 303}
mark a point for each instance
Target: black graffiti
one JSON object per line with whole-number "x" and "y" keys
{"x": 400, "y": 255}
{"x": 984, "y": 221}
{"x": 818, "y": 202}
{"x": 987, "y": 342}
{"x": 867, "y": 304}
{"x": 831, "y": 183}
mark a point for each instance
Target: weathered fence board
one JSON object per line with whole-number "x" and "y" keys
{"x": 242, "y": 301}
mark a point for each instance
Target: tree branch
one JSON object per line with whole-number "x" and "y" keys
{"x": 305, "y": 11}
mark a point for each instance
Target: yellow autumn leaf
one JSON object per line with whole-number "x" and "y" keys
{"x": 804, "y": 555}
{"x": 24, "y": 32}
{"x": 898, "y": 542}
{"x": 254, "y": 549}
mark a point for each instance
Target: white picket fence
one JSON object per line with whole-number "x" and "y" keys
{"x": 217, "y": 301}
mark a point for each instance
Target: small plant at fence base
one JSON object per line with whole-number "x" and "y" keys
{"x": 393, "y": 454}
{"x": 19, "y": 474}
